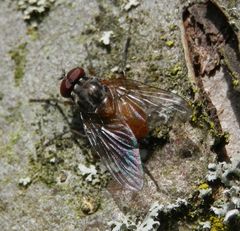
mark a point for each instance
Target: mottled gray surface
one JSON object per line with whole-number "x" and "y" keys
{"x": 47, "y": 204}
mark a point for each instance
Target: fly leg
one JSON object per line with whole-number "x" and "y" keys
{"x": 146, "y": 170}
{"x": 72, "y": 128}
{"x": 145, "y": 154}
{"x": 123, "y": 65}
{"x": 54, "y": 103}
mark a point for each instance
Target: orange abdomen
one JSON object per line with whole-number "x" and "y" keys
{"x": 128, "y": 110}
{"x": 135, "y": 117}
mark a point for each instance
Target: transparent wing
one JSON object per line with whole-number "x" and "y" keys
{"x": 153, "y": 101}
{"x": 118, "y": 148}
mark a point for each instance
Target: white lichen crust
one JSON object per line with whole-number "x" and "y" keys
{"x": 228, "y": 205}
{"x": 34, "y": 8}
{"x": 150, "y": 222}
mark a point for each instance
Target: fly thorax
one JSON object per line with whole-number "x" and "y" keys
{"x": 89, "y": 95}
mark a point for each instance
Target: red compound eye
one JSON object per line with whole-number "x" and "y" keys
{"x": 70, "y": 80}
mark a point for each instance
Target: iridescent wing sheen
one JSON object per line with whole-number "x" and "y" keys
{"x": 117, "y": 147}
{"x": 157, "y": 103}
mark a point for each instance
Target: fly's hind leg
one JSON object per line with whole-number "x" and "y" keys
{"x": 146, "y": 170}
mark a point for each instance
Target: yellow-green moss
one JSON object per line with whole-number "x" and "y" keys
{"x": 18, "y": 55}
{"x": 176, "y": 69}
{"x": 217, "y": 224}
{"x": 172, "y": 27}
{"x": 235, "y": 82}
{"x": 203, "y": 186}
{"x": 201, "y": 119}
{"x": 42, "y": 169}
{"x": 169, "y": 43}
{"x": 14, "y": 114}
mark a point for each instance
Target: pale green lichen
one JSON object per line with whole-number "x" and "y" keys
{"x": 227, "y": 207}
{"x": 204, "y": 190}
{"x": 33, "y": 33}
{"x": 7, "y": 150}
{"x": 149, "y": 223}
{"x": 93, "y": 174}
{"x": 131, "y": 4}
{"x": 204, "y": 225}
{"x": 25, "y": 181}
{"x": 224, "y": 171}
{"x": 106, "y": 36}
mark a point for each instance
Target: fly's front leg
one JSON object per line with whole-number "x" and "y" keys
{"x": 123, "y": 67}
